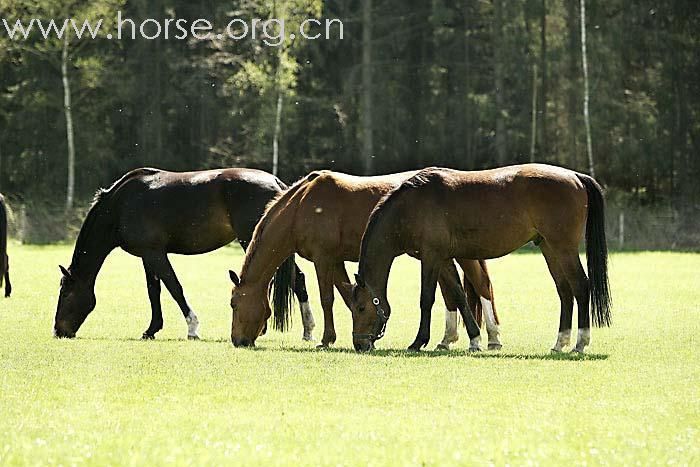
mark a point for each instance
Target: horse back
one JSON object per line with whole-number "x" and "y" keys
{"x": 489, "y": 213}
{"x": 332, "y": 209}
{"x": 191, "y": 212}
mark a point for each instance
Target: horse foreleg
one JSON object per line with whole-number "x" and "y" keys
{"x": 429, "y": 279}
{"x": 153, "y": 286}
{"x": 324, "y": 275}
{"x": 161, "y": 266}
{"x": 307, "y": 317}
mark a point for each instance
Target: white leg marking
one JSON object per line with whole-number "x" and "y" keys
{"x": 451, "y": 333}
{"x": 307, "y": 318}
{"x": 584, "y": 338}
{"x": 491, "y": 326}
{"x": 192, "y": 325}
{"x": 474, "y": 344}
{"x": 563, "y": 339}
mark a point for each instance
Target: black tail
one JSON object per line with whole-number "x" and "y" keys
{"x": 597, "y": 253}
{"x": 282, "y": 294}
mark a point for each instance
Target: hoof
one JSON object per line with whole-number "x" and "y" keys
{"x": 322, "y": 346}
{"x": 308, "y": 338}
{"x": 442, "y": 346}
{"x": 148, "y": 337}
{"x": 450, "y": 340}
{"x": 193, "y": 338}
{"x": 474, "y": 349}
{"x": 413, "y": 349}
{"x": 577, "y": 351}
{"x": 555, "y": 351}
{"x": 495, "y": 346}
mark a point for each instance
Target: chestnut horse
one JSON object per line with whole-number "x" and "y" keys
{"x": 322, "y": 217}
{"x": 444, "y": 213}
{"x": 150, "y": 213}
{"x": 4, "y": 259}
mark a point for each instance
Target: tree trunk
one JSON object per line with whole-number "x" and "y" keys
{"x": 466, "y": 83}
{"x": 533, "y": 132}
{"x": 70, "y": 189}
{"x": 544, "y": 151}
{"x": 573, "y": 78}
{"x": 367, "y": 141}
{"x": 278, "y": 130}
{"x": 498, "y": 71}
{"x": 586, "y": 117}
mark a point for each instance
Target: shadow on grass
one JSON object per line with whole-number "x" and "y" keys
{"x": 153, "y": 341}
{"x": 377, "y": 353}
{"x": 401, "y": 353}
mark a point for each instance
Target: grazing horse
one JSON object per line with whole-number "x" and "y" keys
{"x": 322, "y": 218}
{"x": 150, "y": 213}
{"x": 4, "y": 259}
{"x": 444, "y": 213}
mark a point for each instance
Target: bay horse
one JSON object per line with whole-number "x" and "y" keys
{"x": 4, "y": 258}
{"x": 322, "y": 218}
{"x": 150, "y": 213}
{"x": 444, "y": 213}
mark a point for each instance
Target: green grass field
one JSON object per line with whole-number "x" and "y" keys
{"x": 108, "y": 398}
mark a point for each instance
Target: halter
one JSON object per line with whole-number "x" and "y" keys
{"x": 380, "y": 325}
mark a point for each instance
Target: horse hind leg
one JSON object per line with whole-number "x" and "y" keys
{"x": 451, "y": 329}
{"x": 566, "y": 297}
{"x": 307, "y": 316}
{"x": 447, "y": 287}
{"x": 578, "y": 281}
{"x": 324, "y": 275}
{"x": 161, "y": 266}
{"x": 492, "y": 327}
{"x": 480, "y": 297}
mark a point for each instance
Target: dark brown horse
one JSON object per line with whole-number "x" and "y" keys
{"x": 444, "y": 213}
{"x": 322, "y": 217}
{"x": 150, "y": 213}
{"x": 4, "y": 259}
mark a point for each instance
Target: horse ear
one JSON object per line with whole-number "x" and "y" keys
{"x": 359, "y": 281}
{"x": 234, "y": 278}
{"x": 64, "y": 271}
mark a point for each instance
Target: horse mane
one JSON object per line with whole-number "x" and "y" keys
{"x": 420, "y": 179}
{"x": 273, "y": 206}
{"x": 98, "y": 200}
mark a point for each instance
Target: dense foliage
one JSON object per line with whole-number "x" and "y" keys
{"x": 453, "y": 83}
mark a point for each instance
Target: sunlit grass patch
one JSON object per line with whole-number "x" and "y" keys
{"x": 107, "y": 397}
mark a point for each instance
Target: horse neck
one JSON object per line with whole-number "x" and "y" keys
{"x": 272, "y": 243}
{"x": 97, "y": 238}
{"x": 380, "y": 248}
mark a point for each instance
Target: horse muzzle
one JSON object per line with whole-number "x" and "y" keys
{"x": 62, "y": 331}
{"x": 363, "y": 345}
{"x": 242, "y": 342}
